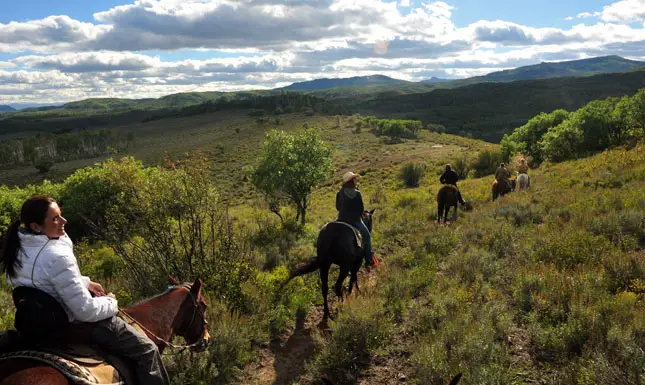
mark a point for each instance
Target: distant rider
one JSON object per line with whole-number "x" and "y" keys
{"x": 349, "y": 204}
{"x": 523, "y": 168}
{"x": 503, "y": 175}
{"x": 450, "y": 177}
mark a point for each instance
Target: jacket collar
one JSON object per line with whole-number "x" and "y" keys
{"x": 30, "y": 239}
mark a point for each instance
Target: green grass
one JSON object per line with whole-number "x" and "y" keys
{"x": 545, "y": 286}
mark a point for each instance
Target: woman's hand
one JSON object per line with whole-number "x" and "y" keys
{"x": 96, "y": 289}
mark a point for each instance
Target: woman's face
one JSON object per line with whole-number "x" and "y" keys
{"x": 54, "y": 225}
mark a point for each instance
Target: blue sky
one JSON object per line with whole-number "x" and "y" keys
{"x": 58, "y": 51}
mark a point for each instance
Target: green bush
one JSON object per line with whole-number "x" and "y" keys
{"x": 462, "y": 166}
{"x": 486, "y": 163}
{"x": 43, "y": 165}
{"x": 412, "y": 173}
{"x": 360, "y": 330}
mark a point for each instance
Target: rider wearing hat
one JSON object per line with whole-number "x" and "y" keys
{"x": 502, "y": 174}
{"x": 523, "y": 168}
{"x": 349, "y": 204}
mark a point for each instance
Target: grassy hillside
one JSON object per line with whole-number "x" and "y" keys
{"x": 232, "y": 139}
{"x": 541, "y": 287}
{"x": 488, "y": 111}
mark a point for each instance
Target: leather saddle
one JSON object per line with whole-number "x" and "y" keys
{"x": 44, "y": 334}
{"x": 357, "y": 233}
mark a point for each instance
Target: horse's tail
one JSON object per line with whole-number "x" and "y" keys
{"x": 310, "y": 267}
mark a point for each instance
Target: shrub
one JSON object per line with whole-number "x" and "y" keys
{"x": 569, "y": 247}
{"x": 360, "y": 329}
{"x": 486, "y": 163}
{"x": 412, "y": 173}
{"x": 462, "y": 166}
{"x": 43, "y": 165}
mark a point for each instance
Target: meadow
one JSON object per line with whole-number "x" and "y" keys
{"x": 545, "y": 286}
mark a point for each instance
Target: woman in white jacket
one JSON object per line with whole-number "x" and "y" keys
{"x": 38, "y": 253}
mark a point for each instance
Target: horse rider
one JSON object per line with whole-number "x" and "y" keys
{"x": 450, "y": 177}
{"x": 37, "y": 253}
{"x": 349, "y": 204}
{"x": 523, "y": 168}
{"x": 503, "y": 175}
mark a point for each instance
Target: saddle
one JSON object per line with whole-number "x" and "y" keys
{"x": 65, "y": 351}
{"x": 357, "y": 233}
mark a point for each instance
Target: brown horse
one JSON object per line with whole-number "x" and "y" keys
{"x": 446, "y": 198}
{"x": 181, "y": 310}
{"x": 501, "y": 189}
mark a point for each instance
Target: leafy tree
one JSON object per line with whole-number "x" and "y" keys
{"x": 486, "y": 162}
{"x": 291, "y": 165}
{"x": 562, "y": 142}
{"x": 525, "y": 138}
{"x": 597, "y": 124}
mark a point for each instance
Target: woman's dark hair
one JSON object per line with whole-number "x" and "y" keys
{"x": 34, "y": 210}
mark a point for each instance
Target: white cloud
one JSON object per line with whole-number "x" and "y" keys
{"x": 51, "y": 33}
{"x": 624, "y": 11}
{"x": 62, "y": 59}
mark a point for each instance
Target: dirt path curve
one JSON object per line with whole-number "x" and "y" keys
{"x": 282, "y": 362}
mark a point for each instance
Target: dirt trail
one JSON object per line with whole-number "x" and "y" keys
{"x": 282, "y": 362}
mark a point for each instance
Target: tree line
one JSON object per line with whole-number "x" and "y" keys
{"x": 63, "y": 147}
{"x": 562, "y": 135}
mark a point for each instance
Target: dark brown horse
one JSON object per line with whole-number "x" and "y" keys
{"x": 446, "y": 198}
{"x": 501, "y": 189}
{"x": 336, "y": 245}
{"x": 181, "y": 310}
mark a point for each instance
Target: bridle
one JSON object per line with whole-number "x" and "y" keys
{"x": 201, "y": 341}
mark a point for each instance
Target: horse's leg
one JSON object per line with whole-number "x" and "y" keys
{"x": 353, "y": 278}
{"x": 454, "y": 215}
{"x": 338, "y": 288}
{"x": 324, "y": 278}
{"x": 439, "y": 211}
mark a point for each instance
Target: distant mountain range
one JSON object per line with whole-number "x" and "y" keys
{"x": 350, "y": 90}
{"x": 583, "y": 67}
{"x": 4, "y": 108}
{"x": 322, "y": 84}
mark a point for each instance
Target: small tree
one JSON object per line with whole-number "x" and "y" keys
{"x": 291, "y": 165}
{"x": 43, "y": 165}
{"x": 412, "y": 173}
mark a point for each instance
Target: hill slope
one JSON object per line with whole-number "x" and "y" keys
{"x": 4, "y": 108}
{"x": 490, "y": 110}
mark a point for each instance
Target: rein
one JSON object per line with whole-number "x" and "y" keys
{"x": 200, "y": 340}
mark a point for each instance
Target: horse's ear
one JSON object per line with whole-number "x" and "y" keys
{"x": 172, "y": 280}
{"x": 196, "y": 288}
{"x": 372, "y": 211}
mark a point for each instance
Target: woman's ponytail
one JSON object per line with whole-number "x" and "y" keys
{"x": 10, "y": 246}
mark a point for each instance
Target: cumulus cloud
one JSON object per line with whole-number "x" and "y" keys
{"x": 289, "y": 40}
{"x": 51, "y": 33}
{"x": 624, "y": 11}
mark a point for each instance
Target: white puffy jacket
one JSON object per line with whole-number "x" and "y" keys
{"x": 50, "y": 265}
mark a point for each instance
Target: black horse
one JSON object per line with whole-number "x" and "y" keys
{"x": 336, "y": 244}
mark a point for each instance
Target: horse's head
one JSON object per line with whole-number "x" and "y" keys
{"x": 367, "y": 218}
{"x": 190, "y": 321}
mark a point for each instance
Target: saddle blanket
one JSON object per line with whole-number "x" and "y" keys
{"x": 357, "y": 232}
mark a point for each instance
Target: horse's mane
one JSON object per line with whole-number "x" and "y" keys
{"x": 166, "y": 292}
